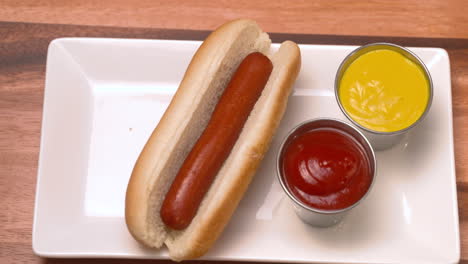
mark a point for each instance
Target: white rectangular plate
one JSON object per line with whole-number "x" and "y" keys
{"x": 103, "y": 97}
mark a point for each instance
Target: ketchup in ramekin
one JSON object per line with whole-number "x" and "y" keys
{"x": 326, "y": 169}
{"x": 326, "y": 166}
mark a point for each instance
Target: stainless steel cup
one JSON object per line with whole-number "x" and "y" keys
{"x": 382, "y": 140}
{"x": 310, "y": 215}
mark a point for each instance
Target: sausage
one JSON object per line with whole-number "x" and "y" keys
{"x": 216, "y": 142}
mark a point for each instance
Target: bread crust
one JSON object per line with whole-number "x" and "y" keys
{"x": 145, "y": 186}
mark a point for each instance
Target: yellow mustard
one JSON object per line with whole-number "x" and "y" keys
{"x": 384, "y": 91}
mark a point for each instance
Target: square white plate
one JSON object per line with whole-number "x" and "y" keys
{"x": 103, "y": 97}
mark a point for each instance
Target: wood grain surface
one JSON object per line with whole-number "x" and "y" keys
{"x": 23, "y": 50}
{"x": 410, "y": 18}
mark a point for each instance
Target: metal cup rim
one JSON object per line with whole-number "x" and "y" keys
{"x": 404, "y": 50}
{"x": 279, "y": 173}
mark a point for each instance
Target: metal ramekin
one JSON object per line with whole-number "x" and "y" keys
{"x": 382, "y": 140}
{"x": 310, "y": 215}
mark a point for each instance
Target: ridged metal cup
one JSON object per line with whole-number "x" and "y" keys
{"x": 308, "y": 214}
{"x": 382, "y": 140}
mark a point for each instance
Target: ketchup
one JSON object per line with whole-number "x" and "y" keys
{"x": 326, "y": 169}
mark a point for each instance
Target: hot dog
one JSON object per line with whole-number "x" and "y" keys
{"x": 202, "y": 155}
{"x": 215, "y": 144}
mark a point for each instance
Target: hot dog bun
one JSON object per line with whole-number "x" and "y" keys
{"x": 183, "y": 122}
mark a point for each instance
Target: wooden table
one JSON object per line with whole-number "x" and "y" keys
{"x": 26, "y": 28}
